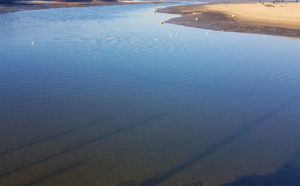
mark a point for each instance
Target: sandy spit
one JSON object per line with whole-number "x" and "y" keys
{"x": 281, "y": 19}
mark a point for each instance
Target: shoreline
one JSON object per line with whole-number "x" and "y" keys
{"x": 17, "y": 7}
{"x": 278, "y": 19}
{"x": 40, "y": 5}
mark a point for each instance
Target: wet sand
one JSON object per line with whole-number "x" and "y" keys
{"x": 281, "y": 19}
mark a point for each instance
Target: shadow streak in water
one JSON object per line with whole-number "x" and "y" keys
{"x": 55, "y": 136}
{"x": 169, "y": 173}
{"x": 60, "y": 171}
{"x": 43, "y": 159}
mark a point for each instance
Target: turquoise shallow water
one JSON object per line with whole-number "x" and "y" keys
{"x": 109, "y": 96}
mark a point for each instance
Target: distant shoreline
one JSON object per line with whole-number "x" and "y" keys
{"x": 38, "y": 5}
{"x": 280, "y": 19}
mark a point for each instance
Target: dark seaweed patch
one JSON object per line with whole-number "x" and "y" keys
{"x": 128, "y": 183}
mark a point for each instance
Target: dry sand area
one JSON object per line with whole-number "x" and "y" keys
{"x": 282, "y": 19}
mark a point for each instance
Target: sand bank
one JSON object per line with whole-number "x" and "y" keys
{"x": 281, "y": 19}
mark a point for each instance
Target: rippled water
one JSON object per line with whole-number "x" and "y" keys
{"x": 109, "y": 96}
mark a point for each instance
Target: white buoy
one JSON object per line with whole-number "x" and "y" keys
{"x": 176, "y": 34}
{"x": 98, "y": 32}
{"x": 197, "y": 19}
{"x": 32, "y": 43}
{"x": 155, "y": 39}
{"x": 108, "y": 38}
{"x": 171, "y": 35}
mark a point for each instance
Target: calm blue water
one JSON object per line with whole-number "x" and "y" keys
{"x": 109, "y": 96}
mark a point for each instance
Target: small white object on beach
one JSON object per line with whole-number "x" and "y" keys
{"x": 232, "y": 15}
{"x": 32, "y": 43}
{"x": 197, "y": 19}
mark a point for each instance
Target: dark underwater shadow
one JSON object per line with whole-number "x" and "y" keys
{"x": 286, "y": 176}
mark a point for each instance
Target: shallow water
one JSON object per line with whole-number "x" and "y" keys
{"x": 144, "y": 103}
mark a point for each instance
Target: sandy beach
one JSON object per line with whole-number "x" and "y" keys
{"x": 281, "y": 19}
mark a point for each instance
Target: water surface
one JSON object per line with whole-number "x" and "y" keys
{"x": 109, "y": 96}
